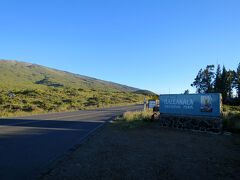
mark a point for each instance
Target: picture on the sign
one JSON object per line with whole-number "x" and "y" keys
{"x": 206, "y": 104}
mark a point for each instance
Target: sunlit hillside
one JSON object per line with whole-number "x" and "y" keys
{"x": 31, "y": 89}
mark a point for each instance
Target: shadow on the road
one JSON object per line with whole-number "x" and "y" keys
{"x": 36, "y": 125}
{"x": 21, "y": 127}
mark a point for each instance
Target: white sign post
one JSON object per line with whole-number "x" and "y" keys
{"x": 145, "y": 103}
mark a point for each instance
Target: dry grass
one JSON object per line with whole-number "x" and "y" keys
{"x": 134, "y": 119}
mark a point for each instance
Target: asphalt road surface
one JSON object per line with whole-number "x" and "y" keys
{"x": 29, "y": 145}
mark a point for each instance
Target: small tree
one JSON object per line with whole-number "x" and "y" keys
{"x": 230, "y": 83}
{"x": 227, "y": 78}
{"x": 155, "y": 97}
{"x": 237, "y": 80}
{"x": 186, "y": 92}
{"x": 217, "y": 81}
{"x": 204, "y": 80}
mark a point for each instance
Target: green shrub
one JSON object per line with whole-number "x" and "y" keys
{"x": 28, "y": 108}
{"x": 231, "y": 122}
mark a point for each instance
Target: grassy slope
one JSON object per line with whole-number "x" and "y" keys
{"x": 14, "y": 74}
{"x": 38, "y": 89}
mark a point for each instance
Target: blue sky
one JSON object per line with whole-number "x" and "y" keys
{"x": 156, "y": 45}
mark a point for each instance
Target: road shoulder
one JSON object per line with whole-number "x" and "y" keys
{"x": 151, "y": 152}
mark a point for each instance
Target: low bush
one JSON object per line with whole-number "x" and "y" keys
{"x": 231, "y": 122}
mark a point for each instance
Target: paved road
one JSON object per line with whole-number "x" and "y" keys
{"x": 31, "y": 144}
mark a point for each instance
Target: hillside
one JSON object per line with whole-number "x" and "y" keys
{"x": 33, "y": 89}
{"x": 15, "y": 74}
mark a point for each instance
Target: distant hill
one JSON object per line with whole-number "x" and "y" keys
{"x": 145, "y": 92}
{"x": 16, "y": 74}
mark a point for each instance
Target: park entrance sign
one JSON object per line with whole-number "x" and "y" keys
{"x": 191, "y": 104}
{"x": 191, "y": 111}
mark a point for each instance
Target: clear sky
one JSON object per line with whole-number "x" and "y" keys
{"x": 156, "y": 45}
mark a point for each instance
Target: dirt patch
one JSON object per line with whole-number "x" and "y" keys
{"x": 152, "y": 152}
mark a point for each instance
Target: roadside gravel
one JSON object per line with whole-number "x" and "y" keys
{"x": 152, "y": 152}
